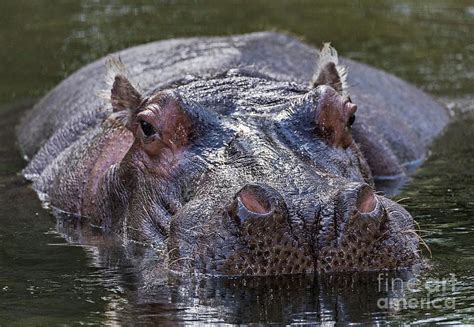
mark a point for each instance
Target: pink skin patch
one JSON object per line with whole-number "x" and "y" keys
{"x": 113, "y": 148}
{"x": 173, "y": 127}
{"x": 162, "y": 131}
{"x": 332, "y": 118}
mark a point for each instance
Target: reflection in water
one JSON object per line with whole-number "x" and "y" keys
{"x": 45, "y": 280}
{"x": 142, "y": 287}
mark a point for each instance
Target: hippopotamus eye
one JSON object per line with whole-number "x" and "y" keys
{"x": 351, "y": 120}
{"x": 352, "y": 117}
{"x": 147, "y": 129}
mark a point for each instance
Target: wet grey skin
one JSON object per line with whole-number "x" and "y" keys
{"x": 241, "y": 155}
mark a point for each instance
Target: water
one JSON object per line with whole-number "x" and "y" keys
{"x": 46, "y": 280}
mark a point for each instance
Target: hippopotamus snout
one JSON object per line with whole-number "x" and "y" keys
{"x": 353, "y": 231}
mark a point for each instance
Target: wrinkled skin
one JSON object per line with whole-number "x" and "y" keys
{"x": 234, "y": 172}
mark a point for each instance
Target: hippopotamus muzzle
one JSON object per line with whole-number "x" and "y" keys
{"x": 356, "y": 231}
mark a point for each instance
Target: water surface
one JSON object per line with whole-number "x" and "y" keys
{"x": 46, "y": 277}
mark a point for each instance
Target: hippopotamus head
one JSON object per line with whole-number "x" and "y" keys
{"x": 238, "y": 173}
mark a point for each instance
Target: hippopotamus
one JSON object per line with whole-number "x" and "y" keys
{"x": 251, "y": 154}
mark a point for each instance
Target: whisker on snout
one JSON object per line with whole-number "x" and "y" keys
{"x": 412, "y": 231}
{"x": 403, "y": 199}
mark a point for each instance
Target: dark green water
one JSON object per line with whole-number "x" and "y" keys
{"x": 44, "y": 280}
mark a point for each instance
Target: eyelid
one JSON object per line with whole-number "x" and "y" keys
{"x": 145, "y": 115}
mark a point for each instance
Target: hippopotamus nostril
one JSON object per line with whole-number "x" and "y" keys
{"x": 253, "y": 199}
{"x": 257, "y": 201}
{"x": 358, "y": 204}
{"x": 366, "y": 200}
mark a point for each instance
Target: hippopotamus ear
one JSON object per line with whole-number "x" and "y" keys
{"x": 329, "y": 72}
{"x": 123, "y": 94}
